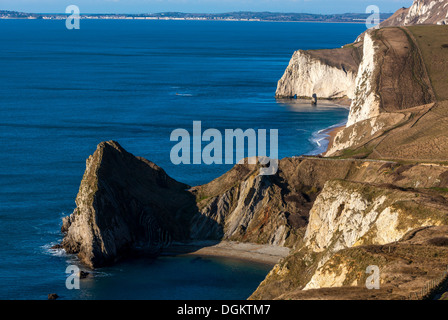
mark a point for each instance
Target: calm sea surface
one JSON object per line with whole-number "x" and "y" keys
{"x": 62, "y": 92}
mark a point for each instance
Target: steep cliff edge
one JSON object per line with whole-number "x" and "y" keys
{"x": 338, "y": 215}
{"x": 391, "y": 76}
{"x": 333, "y": 73}
{"x": 329, "y": 74}
{"x": 368, "y": 218}
{"x": 399, "y": 108}
{"x": 348, "y": 222}
{"x": 421, "y": 12}
{"x": 242, "y": 206}
{"x": 407, "y": 268}
{"x": 125, "y": 204}
{"x": 317, "y": 207}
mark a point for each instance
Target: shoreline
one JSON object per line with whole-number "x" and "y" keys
{"x": 331, "y": 135}
{"x": 323, "y": 139}
{"x": 332, "y": 131}
{"x": 257, "y": 253}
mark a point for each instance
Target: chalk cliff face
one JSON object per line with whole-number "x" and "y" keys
{"x": 391, "y": 80}
{"x": 348, "y": 214}
{"x": 366, "y": 100}
{"x": 127, "y": 204}
{"x": 317, "y": 207}
{"x": 390, "y": 76}
{"x": 376, "y": 216}
{"x": 338, "y": 216}
{"x": 405, "y": 267}
{"x": 329, "y": 74}
{"x": 241, "y": 211}
{"x": 421, "y": 12}
{"x": 346, "y": 218}
{"x": 243, "y": 206}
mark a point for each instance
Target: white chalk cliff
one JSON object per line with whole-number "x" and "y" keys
{"x": 357, "y": 222}
{"x": 307, "y": 74}
{"x": 348, "y": 214}
{"x": 366, "y": 102}
{"x": 389, "y": 71}
{"x": 325, "y": 73}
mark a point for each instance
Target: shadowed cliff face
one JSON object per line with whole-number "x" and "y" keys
{"x": 276, "y": 209}
{"x": 382, "y": 213}
{"x": 127, "y": 204}
{"x": 252, "y": 208}
{"x": 317, "y": 207}
{"x": 337, "y": 215}
{"x": 124, "y": 204}
{"x": 349, "y": 226}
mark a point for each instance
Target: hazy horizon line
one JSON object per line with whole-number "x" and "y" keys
{"x": 185, "y": 12}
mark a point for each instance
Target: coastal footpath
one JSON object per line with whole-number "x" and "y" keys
{"x": 378, "y": 197}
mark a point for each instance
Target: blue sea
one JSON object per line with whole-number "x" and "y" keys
{"x": 64, "y": 91}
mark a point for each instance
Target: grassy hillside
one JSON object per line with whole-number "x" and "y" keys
{"x": 433, "y": 44}
{"x": 412, "y": 85}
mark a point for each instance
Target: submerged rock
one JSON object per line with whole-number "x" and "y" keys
{"x": 52, "y": 296}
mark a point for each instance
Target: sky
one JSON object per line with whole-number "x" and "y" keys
{"x": 202, "y": 6}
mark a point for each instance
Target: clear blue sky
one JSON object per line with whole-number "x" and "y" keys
{"x": 202, "y": 6}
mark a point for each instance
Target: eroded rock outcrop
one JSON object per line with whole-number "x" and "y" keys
{"x": 317, "y": 207}
{"x": 397, "y": 77}
{"x": 333, "y": 73}
{"x": 347, "y": 217}
{"x": 329, "y": 74}
{"x": 125, "y": 204}
{"x": 391, "y": 76}
{"x": 392, "y": 79}
{"x": 348, "y": 214}
{"x": 337, "y": 215}
{"x": 252, "y": 208}
{"x": 421, "y": 12}
{"x": 406, "y": 267}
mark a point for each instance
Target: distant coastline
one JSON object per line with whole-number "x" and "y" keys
{"x": 230, "y": 16}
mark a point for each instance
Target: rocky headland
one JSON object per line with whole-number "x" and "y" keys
{"x": 421, "y": 12}
{"x": 378, "y": 197}
{"x": 329, "y": 74}
{"x": 125, "y": 204}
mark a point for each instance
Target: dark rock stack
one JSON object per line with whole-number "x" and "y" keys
{"x": 125, "y": 204}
